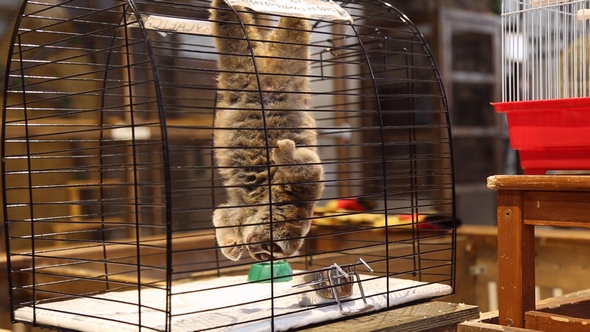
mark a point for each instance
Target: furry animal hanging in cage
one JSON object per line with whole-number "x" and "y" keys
{"x": 172, "y": 165}
{"x": 264, "y": 138}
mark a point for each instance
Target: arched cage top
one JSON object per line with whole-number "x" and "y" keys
{"x": 111, "y": 175}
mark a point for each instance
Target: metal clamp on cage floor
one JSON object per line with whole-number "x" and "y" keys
{"x": 334, "y": 283}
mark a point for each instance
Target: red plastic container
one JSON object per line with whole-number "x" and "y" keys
{"x": 549, "y": 134}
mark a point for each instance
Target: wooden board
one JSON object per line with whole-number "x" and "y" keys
{"x": 549, "y": 322}
{"x": 420, "y": 317}
{"x": 567, "y": 313}
{"x": 486, "y": 327}
{"x": 539, "y": 182}
{"x": 570, "y": 312}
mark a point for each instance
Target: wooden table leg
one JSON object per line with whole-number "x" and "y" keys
{"x": 516, "y": 260}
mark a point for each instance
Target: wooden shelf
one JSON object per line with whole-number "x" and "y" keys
{"x": 87, "y": 129}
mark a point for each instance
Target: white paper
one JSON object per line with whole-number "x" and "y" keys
{"x": 165, "y": 24}
{"x": 315, "y": 9}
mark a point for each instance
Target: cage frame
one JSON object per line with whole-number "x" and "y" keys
{"x": 165, "y": 148}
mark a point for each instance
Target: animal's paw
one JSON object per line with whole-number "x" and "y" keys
{"x": 284, "y": 151}
{"x": 232, "y": 249}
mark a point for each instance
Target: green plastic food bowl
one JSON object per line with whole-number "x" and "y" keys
{"x": 261, "y": 272}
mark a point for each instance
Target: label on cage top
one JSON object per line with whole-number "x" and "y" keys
{"x": 540, "y": 3}
{"x": 173, "y": 24}
{"x": 316, "y": 9}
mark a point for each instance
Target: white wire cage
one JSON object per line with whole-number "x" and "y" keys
{"x": 546, "y": 83}
{"x": 546, "y": 49}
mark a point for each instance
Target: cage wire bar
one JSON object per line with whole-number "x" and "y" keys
{"x": 109, "y": 178}
{"x": 545, "y": 49}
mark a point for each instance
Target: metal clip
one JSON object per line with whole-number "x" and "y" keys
{"x": 333, "y": 283}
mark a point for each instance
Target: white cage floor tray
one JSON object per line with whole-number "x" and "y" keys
{"x": 221, "y": 304}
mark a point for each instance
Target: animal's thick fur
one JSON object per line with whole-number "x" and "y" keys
{"x": 263, "y": 132}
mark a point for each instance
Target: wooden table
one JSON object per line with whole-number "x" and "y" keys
{"x": 526, "y": 201}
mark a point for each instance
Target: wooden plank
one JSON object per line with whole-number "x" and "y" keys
{"x": 577, "y": 303}
{"x": 486, "y": 327}
{"x": 553, "y": 223}
{"x": 544, "y": 207}
{"x": 550, "y": 322}
{"x": 420, "y": 317}
{"x": 578, "y": 309}
{"x": 539, "y": 182}
{"x": 565, "y": 305}
{"x": 89, "y": 128}
{"x": 570, "y": 312}
{"x": 516, "y": 260}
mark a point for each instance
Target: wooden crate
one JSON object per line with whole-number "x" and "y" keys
{"x": 569, "y": 312}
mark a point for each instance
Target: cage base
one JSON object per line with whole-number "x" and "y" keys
{"x": 538, "y": 162}
{"x": 119, "y": 311}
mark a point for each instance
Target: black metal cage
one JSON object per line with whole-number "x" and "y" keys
{"x": 110, "y": 180}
